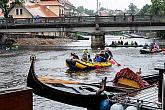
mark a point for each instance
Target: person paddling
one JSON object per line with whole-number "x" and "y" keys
{"x": 108, "y": 54}
{"x": 74, "y": 56}
{"x": 86, "y": 55}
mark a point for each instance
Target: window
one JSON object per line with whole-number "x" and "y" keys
{"x": 19, "y": 11}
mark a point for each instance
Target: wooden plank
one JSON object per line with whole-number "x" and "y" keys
{"x": 16, "y": 99}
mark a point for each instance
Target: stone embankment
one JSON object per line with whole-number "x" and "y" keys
{"x": 41, "y": 43}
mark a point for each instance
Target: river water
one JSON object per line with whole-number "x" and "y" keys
{"x": 14, "y": 69}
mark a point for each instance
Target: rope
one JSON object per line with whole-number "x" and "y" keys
{"x": 126, "y": 100}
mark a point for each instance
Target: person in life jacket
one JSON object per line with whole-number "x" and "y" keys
{"x": 108, "y": 54}
{"x": 100, "y": 56}
{"x": 86, "y": 55}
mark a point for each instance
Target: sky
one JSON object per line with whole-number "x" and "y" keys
{"x": 109, "y": 4}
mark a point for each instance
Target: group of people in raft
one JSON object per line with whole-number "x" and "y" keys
{"x": 101, "y": 55}
{"x": 153, "y": 46}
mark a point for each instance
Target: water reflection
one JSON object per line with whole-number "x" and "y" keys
{"x": 14, "y": 69}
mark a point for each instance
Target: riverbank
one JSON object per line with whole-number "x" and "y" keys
{"x": 42, "y": 44}
{"x": 42, "y": 41}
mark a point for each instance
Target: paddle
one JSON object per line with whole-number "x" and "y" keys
{"x": 113, "y": 61}
{"x": 163, "y": 49}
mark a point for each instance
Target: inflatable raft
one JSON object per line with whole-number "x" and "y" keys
{"x": 75, "y": 64}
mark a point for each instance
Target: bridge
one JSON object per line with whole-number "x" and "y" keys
{"x": 96, "y": 25}
{"x": 83, "y": 24}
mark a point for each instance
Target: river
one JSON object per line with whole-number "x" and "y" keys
{"x": 14, "y": 69}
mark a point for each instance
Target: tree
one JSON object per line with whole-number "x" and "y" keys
{"x": 145, "y": 10}
{"x": 102, "y": 9}
{"x": 156, "y": 7}
{"x": 133, "y": 8}
{"x": 80, "y": 9}
{"x": 89, "y": 12}
{"x": 5, "y": 7}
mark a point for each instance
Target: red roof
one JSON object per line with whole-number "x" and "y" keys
{"x": 42, "y": 11}
{"x": 49, "y": 2}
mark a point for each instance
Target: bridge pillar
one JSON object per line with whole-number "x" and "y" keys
{"x": 98, "y": 40}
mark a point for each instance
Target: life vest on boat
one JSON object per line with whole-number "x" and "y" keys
{"x": 129, "y": 74}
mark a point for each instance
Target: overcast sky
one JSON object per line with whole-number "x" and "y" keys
{"x": 110, "y": 4}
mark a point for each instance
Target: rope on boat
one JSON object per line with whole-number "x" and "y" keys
{"x": 126, "y": 100}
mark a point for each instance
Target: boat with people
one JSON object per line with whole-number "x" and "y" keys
{"x": 124, "y": 45}
{"x": 102, "y": 59}
{"x": 76, "y": 64}
{"x": 149, "y": 51}
{"x": 81, "y": 95}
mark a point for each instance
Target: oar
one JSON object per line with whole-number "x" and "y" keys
{"x": 114, "y": 62}
{"x": 163, "y": 49}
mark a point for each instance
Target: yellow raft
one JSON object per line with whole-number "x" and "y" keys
{"x": 75, "y": 64}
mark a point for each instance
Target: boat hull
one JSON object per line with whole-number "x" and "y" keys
{"x": 147, "y": 51}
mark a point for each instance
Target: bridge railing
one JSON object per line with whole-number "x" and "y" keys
{"x": 81, "y": 20}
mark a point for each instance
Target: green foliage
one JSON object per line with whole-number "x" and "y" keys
{"x": 5, "y": 8}
{"x": 145, "y": 10}
{"x": 156, "y": 7}
{"x": 133, "y": 8}
{"x": 161, "y": 34}
{"x": 81, "y": 9}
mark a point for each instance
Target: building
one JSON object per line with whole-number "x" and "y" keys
{"x": 43, "y": 8}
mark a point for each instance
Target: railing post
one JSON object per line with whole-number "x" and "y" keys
{"x": 114, "y": 18}
{"x": 163, "y": 93}
{"x": 161, "y": 72}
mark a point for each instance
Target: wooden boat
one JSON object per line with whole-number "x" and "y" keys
{"x": 127, "y": 77}
{"x": 75, "y": 64}
{"x": 148, "y": 51}
{"x": 81, "y": 95}
{"x": 77, "y": 95}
